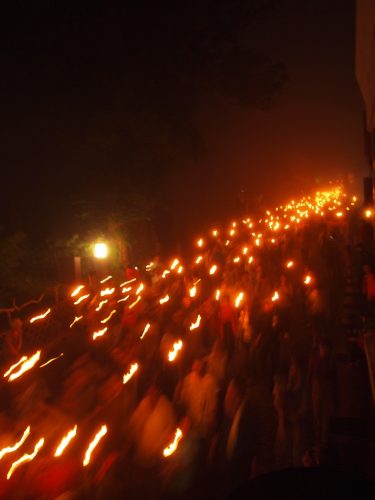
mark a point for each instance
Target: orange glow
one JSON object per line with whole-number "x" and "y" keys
{"x": 177, "y": 346}
{"x": 368, "y": 213}
{"x": 172, "y": 447}
{"x": 139, "y": 289}
{"x": 106, "y": 291}
{"x": 25, "y": 366}
{"x": 52, "y": 360}
{"x": 25, "y": 458}
{"x": 307, "y": 279}
{"x": 127, "y": 376}
{"x": 12, "y": 448}
{"x": 215, "y": 232}
{"x": 232, "y": 232}
{"x": 105, "y": 320}
{"x": 133, "y": 304}
{"x": 76, "y": 319}
{"x": 196, "y": 324}
{"x": 65, "y": 441}
{"x": 339, "y": 214}
{"x": 174, "y": 264}
{"x": 41, "y": 316}
{"x": 99, "y": 435}
{"x": 81, "y": 299}
{"x": 213, "y": 269}
{"x": 198, "y": 259}
{"x": 217, "y": 294}
{"x": 290, "y": 264}
{"x": 164, "y": 299}
{"x": 239, "y": 299}
{"x": 146, "y": 329}
{"x": 106, "y": 279}
{"x": 99, "y": 333}
{"x": 275, "y": 297}
{"x": 193, "y": 291}
{"x": 236, "y": 259}
{"x": 101, "y": 304}
{"x": 77, "y": 290}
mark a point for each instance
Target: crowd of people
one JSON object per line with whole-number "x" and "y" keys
{"x": 236, "y": 351}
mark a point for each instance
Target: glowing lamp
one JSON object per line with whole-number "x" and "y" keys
{"x": 100, "y": 250}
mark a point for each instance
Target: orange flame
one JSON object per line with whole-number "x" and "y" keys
{"x": 105, "y": 320}
{"x": 213, "y": 269}
{"x": 164, "y": 299}
{"x": 239, "y": 299}
{"x": 177, "y": 346}
{"x": 25, "y": 458}
{"x": 172, "y": 447}
{"x": 106, "y": 279}
{"x": 25, "y": 366}
{"x": 99, "y": 333}
{"x": 146, "y": 329}
{"x": 76, "y": 319}
{"x": 11, "y": 449}
{"x": 77, "y": 290}
{"x": 107, "y": 291}
{"x": 127, "y": 376}
{"x": 102, "y": 432}
{"x": 65, "y": 441}
{"x": 84, "y": 297}
{"x": 41, "y": 316}
{"x": 195, "y": 325}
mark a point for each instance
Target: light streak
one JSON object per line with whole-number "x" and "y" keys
{"x": 215, "y": 232}
{"x": 65, "y": 441}
{"x": 127, "y": 376}
{"x": 239, "y": 299}
{"x": 290, "y": 264}
{"x": 164, "y": 299}
{"x": 198, "y": 259}
{"x": 165, "y": 273}
{"x": 213, "y": 269}
{"x": 133, "y": 304}
{"x": 106, "y": 279}
{"x": 146, "y": 329}
{"x": 105, "y": 320}
{"x": 128, "y": 282}
{"x": 180, "y": 269}
{"x": 25, "y": 366}
{"x": 275, "y": 297}
{"x": 13, "y": 367}
{"x": 193, "y": 291}
{"x": 77, "y": 290}
{"x": 84, "y": 297}
{"x": 76, "y": 319}
{"x": 196, "y": 324}
{"x": 101, "y": 304}
{"x": 236, "y": 260}
{"x": 124, "y": 299}
{"x": 172, "y": 447}
{"x": 307, "y": 279}
{"x": 177, "y": 346}
{"x": 127, "y": 289}
{"x": 12, "y": 448}
{"x": 200, "y": 242}
{"x": 99, "y": 435}
{"x": 41, "y": 316}
{"x": 51, "y": 360}
{"x": 106, "y": 291}
{"x": 174, "y": 264}
{"x": 139, "y": 289}
{"x": 217, "y": 294}
{"x": 25, "y": 458}
{"x": 99, "y": 333}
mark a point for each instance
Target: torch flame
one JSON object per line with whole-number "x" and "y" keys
{"x": 99, "y": 333}
{"x": 177, "y": 346}
{"x": 195, "y": 325}
{"x": 25, "y": 458}
{"x": 102, "y": 432}
{"x": 41, "y": 316}
{"x": 164, "y": 299}
{"x": 76, "y": 319}
{"x": 11, "y": 449}
{"x": 65, "y": 441}
{"x": 127, "y": 376}
{"x": 81, "y": 299}
{"x": 146, "y": 329}
{"x": 213, "y": 269}
{"x": 171, "y": 448}
{"x": 77, "y": 290}
{"x": 105, "y": 320}
{"x": 239, "y": 299}
{"x": 25, "y": 366}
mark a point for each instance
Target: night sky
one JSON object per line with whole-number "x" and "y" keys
{"x": 126, "y": 97}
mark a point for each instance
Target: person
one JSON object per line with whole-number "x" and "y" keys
{"x": 14, "y": 338}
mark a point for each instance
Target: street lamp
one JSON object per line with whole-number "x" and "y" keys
{"x": 100, "y": 250}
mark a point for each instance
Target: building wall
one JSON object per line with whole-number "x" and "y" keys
{"x": 365, "y": 57}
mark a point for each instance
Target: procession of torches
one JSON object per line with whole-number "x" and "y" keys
{"x": 267, "y": 231}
